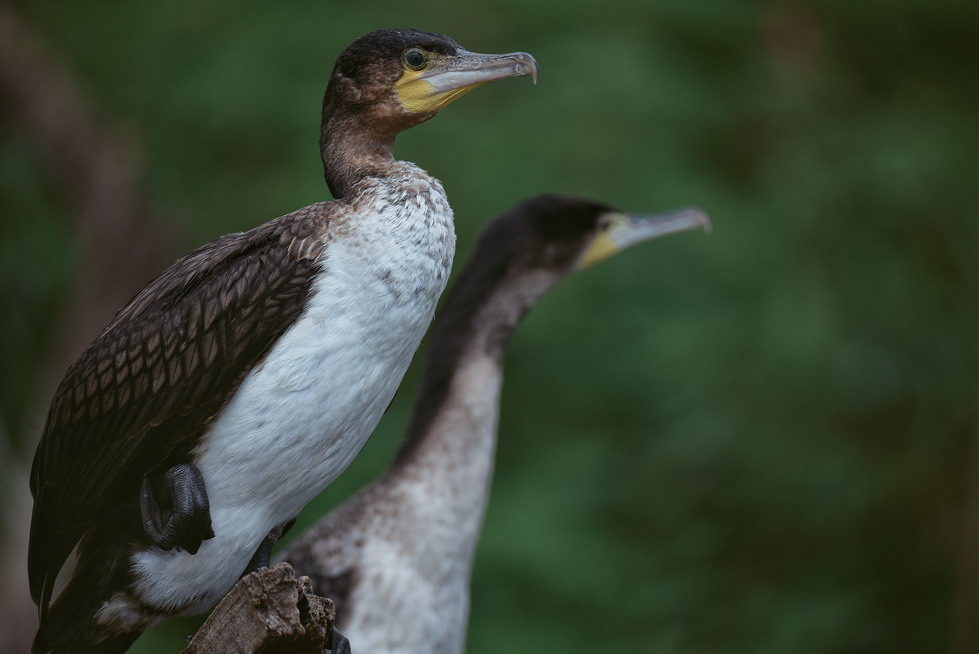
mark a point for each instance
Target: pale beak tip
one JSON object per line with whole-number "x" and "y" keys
{"x": 528, "y": 65}
{"x": 696, "y": 217}
{"x": 704, "y": 220}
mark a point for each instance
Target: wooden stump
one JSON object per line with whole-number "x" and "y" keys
{"x": 268, "y": 611}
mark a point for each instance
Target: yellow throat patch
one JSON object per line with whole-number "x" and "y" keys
{"x": 603, "y": 245}
{"x": 418, "y": 95}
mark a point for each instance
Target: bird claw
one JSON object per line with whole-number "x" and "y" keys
{"x": 262, "y": 557}
{"x": 175, "y": 510}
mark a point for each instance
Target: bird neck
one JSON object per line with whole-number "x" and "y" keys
{"x": 352, "y": 147}
{"x": 455, "y": 416}
{"x": 450, "y": 447}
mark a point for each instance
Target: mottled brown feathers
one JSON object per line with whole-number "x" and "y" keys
{"x": 139, "y": 397}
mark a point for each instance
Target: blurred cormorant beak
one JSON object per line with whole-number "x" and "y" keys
{"x": 619, "y": 231}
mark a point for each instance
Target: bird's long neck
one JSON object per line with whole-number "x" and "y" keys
{"x": 451, "y": 440}
{"x": 352, "y": 147}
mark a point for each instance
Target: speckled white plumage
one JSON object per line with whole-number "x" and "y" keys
{"x": 407, "y": 541}
{"x": 431, "y": 543}
{"x": 416, "y": 530}
{"x": 301, "y": 416}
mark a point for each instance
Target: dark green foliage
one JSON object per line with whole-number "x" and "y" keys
{"x": 754, "y": 441}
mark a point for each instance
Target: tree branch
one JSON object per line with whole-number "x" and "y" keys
{"x": 268, "y": 611}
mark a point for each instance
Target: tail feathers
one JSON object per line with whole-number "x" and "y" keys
{"x": 69, "y": 626}
{"x": 87, "y": 644}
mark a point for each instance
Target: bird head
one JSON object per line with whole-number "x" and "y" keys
{"x": 399, "y": 78}
{"x": 526, "y": 251}
{"x": 559, "y": 233}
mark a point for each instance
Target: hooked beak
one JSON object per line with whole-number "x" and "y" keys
{"x": 623, "y": 231}
{"x": 446, "y": 78}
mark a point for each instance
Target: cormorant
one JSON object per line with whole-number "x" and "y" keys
{"x": 397, "y": 556}
{"x": 244, "y": 379}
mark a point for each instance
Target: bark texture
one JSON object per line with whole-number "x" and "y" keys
{"x": 268, "y": 612}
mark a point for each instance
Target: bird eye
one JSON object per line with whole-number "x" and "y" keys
{"x": 414, "y": 59}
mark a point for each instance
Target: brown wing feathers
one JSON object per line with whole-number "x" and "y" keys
{"x": 140, "y": 396}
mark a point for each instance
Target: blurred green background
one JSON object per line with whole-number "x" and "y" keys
{"x": 757, "y": 441}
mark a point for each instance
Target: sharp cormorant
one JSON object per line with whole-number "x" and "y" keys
{"x": 245, "y": 378}
{"x": 397, "y": 556}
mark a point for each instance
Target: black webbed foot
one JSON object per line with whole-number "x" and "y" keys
{"x": 175, "y": 510}
{"x": 338, "y": 643}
